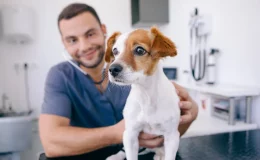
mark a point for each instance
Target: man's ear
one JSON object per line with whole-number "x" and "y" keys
{"x": 110, "y": 42}
{"x": 161, "y": 45}
{"x": 104, "y": 29}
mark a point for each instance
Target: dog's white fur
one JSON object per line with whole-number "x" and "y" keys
{"x": 152, "y": 107}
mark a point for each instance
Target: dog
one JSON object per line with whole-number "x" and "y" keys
{"x": 134, "y": 59}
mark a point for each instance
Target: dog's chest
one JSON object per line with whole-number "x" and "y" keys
{"x": 155, "y": 112}
{"x": 158, "y": 122}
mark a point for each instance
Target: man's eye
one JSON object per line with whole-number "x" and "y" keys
{"x": 139, "y": 51}
{"x": 115, "y": 51}
{"x": 91, "y": 34}
{"x": 72, "y": 41}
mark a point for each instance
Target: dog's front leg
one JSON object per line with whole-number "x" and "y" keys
{"x": 131, "y": 143}
{"x": 171, "y": 144}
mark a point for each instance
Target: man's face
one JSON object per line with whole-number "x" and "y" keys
{"x": 84, "y": 39}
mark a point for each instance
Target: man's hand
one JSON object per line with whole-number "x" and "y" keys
{"x": 189, "y": 109}
{"x": 145, "y": 140}
{"x": 150, "y": 141}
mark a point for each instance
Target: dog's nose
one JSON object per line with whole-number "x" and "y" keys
{"x": 115, "y": 69}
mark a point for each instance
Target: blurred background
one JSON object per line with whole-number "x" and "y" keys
{"x": 223, "y": 37}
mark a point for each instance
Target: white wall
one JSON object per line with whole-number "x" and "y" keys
{"x": 235, "y": 32}
{"x": 1, "y": 72}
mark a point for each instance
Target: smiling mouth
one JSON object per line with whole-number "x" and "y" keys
{"x": 89, "y": 55}
{"x": 92, "y": 52}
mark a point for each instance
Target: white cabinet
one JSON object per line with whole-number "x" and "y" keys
{"x": 208, "y": 121}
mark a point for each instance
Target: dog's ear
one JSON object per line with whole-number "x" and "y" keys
{"x": 110, "y": 42}
{"x": 162, "y": 46}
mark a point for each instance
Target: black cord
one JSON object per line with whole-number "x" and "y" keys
{"x": 201, "y": 55}
{"x": 103, "y": 78}
{"x": 26, "y": 81}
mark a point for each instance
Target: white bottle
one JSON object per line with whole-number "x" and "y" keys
{"x": 211, "y": 67}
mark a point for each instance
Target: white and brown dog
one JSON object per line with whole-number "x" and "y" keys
{"x": 152, "y": 105}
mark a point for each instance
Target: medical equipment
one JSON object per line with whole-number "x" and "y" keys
{"x": 70, "y": 60}
{"x": 27, "y": 91}
{"x": 200, "y": 28}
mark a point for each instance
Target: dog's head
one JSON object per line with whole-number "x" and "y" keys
{"x": 133, "y": 56}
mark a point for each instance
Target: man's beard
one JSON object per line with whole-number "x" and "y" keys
{"x": 101, "y": 54}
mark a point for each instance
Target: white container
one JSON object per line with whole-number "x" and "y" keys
{"x": 211, "y": 69}
{"x": 17, "y": 24}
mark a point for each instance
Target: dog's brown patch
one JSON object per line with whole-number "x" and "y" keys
{"x": 110, "y": 42}
{"x": 154, "y": 42}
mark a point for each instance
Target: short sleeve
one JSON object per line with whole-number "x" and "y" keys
{"x": 56, "y": 100}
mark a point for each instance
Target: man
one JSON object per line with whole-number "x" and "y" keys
{"x": 82, "y": 113}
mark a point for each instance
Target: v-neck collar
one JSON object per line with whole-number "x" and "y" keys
{"x": 88, "y": 84}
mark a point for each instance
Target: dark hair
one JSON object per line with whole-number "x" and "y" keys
{"x": 75, "y": 9}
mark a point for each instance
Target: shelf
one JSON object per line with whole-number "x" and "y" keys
{"x": 207, "y": 125}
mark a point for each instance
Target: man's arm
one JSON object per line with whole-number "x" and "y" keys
{"x": 57, "y": 136}
{"x": 60, "y": 139}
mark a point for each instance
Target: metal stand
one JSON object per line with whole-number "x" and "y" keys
{"x": 248, "y": 109}
{"x": 231, "y": 118}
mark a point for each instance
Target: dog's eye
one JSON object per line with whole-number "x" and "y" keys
{"x": 115, "y": 51}
{"x": 139, "y": 51}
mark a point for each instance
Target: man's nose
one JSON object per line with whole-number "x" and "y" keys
{"x": 115, "y": 69}
{"x": 84, "y": 45}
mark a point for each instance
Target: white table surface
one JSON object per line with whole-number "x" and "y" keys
{"x": 207, "y": 125}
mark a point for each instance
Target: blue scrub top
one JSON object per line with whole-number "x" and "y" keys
{"x": 70, "y": 93}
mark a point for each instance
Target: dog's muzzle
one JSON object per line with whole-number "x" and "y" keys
{"x": 115, "y": 69}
